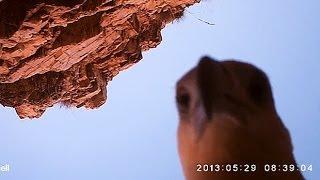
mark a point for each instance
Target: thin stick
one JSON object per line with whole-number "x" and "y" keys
{"x": 211, "y": 24}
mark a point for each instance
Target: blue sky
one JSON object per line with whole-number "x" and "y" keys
{"x": 133, "y": 136}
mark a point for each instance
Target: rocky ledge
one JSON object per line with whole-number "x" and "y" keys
{"x": 54, "y": 51}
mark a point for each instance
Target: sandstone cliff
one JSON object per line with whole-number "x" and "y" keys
{"x": 54, "y": 51}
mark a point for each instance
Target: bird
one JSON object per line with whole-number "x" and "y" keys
{"x": 228, "y": 124}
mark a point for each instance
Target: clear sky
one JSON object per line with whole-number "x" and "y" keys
{"x": 133, "y": 136}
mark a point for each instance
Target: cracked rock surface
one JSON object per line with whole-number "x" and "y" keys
{"x": 55, "y": 51}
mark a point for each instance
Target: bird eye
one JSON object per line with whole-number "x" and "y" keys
{"x": 257, "y": 92}
{"x": 259, "y": 89}
{"x": 183, "y": 102}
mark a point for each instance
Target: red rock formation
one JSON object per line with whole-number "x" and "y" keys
{"x": 54, "y": 51}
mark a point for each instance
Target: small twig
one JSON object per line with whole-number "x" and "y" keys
{"x": 211, "y": 24}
